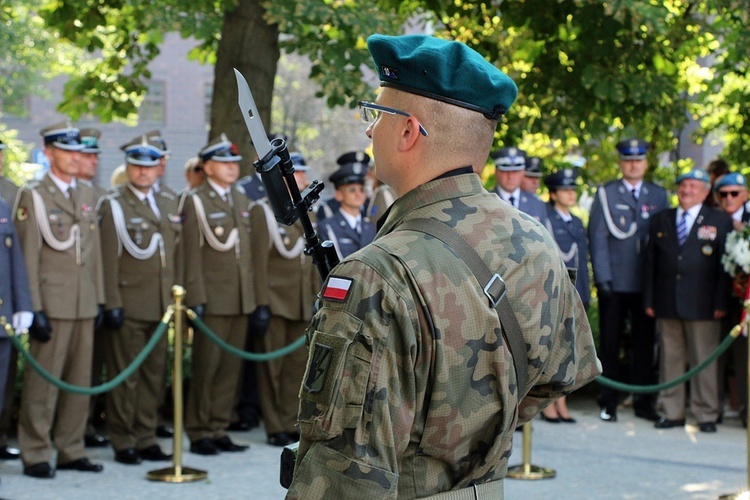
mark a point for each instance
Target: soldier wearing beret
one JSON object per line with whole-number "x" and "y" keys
{"x": 618, "y": 232}
{"x": 510, "y": 169}
{"x": 410, "y": 388}
{"x": 285, "y": 286}
{"x": 686, "y": 289}
{"x": 8, "y": 190}
{"x": 346, "y": 228}
{"x": 140, "y": 232}
{"x": 218, "y": 280}
{"x": 59, "y": 232}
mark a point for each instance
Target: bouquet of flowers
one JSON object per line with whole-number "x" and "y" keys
{"x": 736, "y": 259}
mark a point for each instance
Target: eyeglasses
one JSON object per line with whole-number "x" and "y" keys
{"x": 733, "y": 194}
{"x": 354, "y": 189}
{"x": 370, "y": 112}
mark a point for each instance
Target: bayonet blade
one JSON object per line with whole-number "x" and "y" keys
{"x": 251, "y": 116}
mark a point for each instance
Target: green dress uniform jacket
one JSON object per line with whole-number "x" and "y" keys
{"x": 409, "y": 389}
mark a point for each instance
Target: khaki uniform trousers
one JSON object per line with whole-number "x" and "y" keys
{"x": 279, "y": 379}
{"x": 47, "y": 413}
{"x": 213, "y": 387}
{"x": 133, "y": 405}
{"x": 688, "y": 343}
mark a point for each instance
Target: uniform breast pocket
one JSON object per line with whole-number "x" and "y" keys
{"x": 335, "y": 384}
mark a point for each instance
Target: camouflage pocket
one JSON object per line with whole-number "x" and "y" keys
{"x": 334, "y": 387}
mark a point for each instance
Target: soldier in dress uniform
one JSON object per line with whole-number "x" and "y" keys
{"x": 156, "y": 139}
{"x": 218, "y": 280}
{"x": 59, "y": 232}
{"x": 347, "y": 229}
{"x": 194, "y": 174}
{"x": 358, "y": 159}
{"x": 510, "y": 168}
{"x": 8, "y": 189}
{"x": 411, "y": 390}
{"x": 686, "y": 289}
{"x": 140, "y": 233}
{"x": 618, "y": 233}
{"x": 89, "y": 165}
{"x": 532, "y": 174}
{"x": 286, "y": 282}
{"x": 16, "y": 307}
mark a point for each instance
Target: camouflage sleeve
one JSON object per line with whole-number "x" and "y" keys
{"x": 358, "y": 393}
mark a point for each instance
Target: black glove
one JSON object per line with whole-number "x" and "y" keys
{"x": 114, "y": 318}
{"x": 258, "y": 320}
{"x": 99, "y": 320}
{"x": 604, "y": 289}
{"x": 40, "y": 329}
{"x": 199, "y": 310}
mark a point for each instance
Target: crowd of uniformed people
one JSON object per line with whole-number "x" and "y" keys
{"x": 88, "y": 271}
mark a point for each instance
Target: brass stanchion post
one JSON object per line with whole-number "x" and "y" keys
{"x": 177, "y": 473}
{"x": 526, "y": 470}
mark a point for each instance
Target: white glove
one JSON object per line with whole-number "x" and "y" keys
{"x": 22, "y": 321}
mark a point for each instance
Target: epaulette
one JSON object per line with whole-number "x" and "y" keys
{"x": 31, "y": 185}
{"x": 107, "y": 197}
{"x": 86, "y": 183}
{"x": 166, "y": 195}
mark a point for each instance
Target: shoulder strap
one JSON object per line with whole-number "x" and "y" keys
{"x": 494, "y": 289}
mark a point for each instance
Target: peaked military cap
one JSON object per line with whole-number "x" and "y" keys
{"x": 143, "y": 154}
{"x": 534, "y": 166}
{"x": 696, "y": 174}
{"x": 444, "y": 70}
{"x": 155, "y": 137}
{"x": 509, "y": 159}
{"x": 349, "y": 173}
{"x": 354, "y": 157}
{"x": 300, "y": 165}
{"x": 90, "y": 140}
{"x": 62, "y": 135}
{"x": 220, "y": 149}
{"x": 731, "y": 179}
{"x": 2, "y": 145}
{"x": 562, "y": 179}
{"x": 632, "y": 149}
{"x": 137, "y": 140}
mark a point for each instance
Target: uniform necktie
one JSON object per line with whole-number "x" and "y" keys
{"x": 512, "y": 201}
{"x": 682, "y": 232}
{"x": 635, "y": 194}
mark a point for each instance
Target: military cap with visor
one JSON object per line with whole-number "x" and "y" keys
{"x": 62, "y": 135}
{"x": 632, "y": 149}
{"x": 534, "y": 167}
{"x": 300, "y": 165}
{"x": 350, "y": 173}
{"x": 155, "y": 138}
{"x": 90, "y": 140}
{"x": 444, "y": 70}
{"x": 562, "y": 179}
{"x": 220, "y": 149}
{"x": 143, "y": 154}
{"x": 510, "y": 159}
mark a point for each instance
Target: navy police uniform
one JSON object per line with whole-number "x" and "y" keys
{"x": 358, "y": 160}
{"x": 511, "y": 159}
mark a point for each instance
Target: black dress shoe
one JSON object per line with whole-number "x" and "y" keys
{"x": 154, "y": 453}
{"x": 280, "y": 439}
{"x": 551, "y": 420}
{"x": 569, "y": 420}
{"x": 647, "y": 413}
{"x": 204, "y": 446}
{"x": 239, "y": 426}
{"x": 42, "y": 470}
{"x": 95, "y": 441}
{"x": 128, "y": 456}
{"x": 666, "y": 423}
{"x": 608, "y": 414}
{"x": 226, "y": 444}
{"x": 164, "y": 431}
{"x": 82, "y": 464}
{"x": 9, "y": 453}
{"x": 707, "y": 427}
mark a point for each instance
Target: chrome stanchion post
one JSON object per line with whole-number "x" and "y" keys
{"x": 177, "y": 473}
{"x": 526, "y": 470}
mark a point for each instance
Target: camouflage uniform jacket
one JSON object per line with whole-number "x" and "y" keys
{"x": 409, "y": 389}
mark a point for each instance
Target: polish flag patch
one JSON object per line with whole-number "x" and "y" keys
{"x": 337, "y": 288}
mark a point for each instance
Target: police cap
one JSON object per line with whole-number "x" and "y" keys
{"x": 62, "y": 135}
{"x": 509, "y": 159}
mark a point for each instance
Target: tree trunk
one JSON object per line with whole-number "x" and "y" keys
{"x": 251, "y": 45}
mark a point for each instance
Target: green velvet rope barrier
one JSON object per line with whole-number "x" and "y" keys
{"x": 252, "y": 356}
{"x": 90, "y": 391}
{"x": 643, "y": 389}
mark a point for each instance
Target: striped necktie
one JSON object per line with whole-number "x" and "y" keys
{"x": 682, "y": 231}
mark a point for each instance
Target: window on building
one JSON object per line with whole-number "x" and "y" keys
{"x": 152, "y": 108}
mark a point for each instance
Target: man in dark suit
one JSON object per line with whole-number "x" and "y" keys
{"x": 618, "y": 231}
{"x": 686, "y": 289}
{"x": 732, "y": 195}
{"x": 510, "y": 165}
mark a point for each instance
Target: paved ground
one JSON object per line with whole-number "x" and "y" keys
{"x": 592, "y": 460}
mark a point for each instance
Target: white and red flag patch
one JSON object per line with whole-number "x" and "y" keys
{"x": 337, "y": 288}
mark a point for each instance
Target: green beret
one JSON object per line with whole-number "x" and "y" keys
{"x": 447, "y": 71}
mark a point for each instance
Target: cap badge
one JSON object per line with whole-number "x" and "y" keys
{"x": 389, "y": 72}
